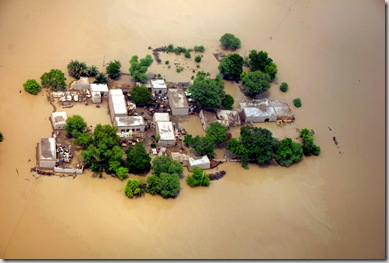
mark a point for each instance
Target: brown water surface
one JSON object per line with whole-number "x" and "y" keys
{"x": 330, "y": 52}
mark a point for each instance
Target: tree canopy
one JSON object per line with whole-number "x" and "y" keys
{"x": 75, "y": 125}
{"x": 138, "y": 160}
{"x": 230, "y": 41}
{"x": 208, "y": 93}
{"x": 32, "y": 86}
{"x": 217, "y": 132}
{"x": 101, "y": 78}
{"x": 169, "y": 185}
{"x": 163, "y": 164}
{"x": 77, "y": 69}
{"x": 141, "y": 96}
{"x": 198, "y": 178}
{"x": 133, "y": 188}
{"x": 289, "y": 152}
{"x": 231, "y": 66}
{"x": 138, "y": 68}
{"x": 259, "y": 60}
{"x": 309, "y": 146}
{"x": 228, "y": 102}
{"x": 255, "y": 82}
{"x": 201, "y": 145}
{"x": 153, "y": 186}
{"x": 54, "y": 79}
{"x": 113, "y": 69}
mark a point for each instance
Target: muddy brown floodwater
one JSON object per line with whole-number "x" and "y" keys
{"x": 330, "y": 52}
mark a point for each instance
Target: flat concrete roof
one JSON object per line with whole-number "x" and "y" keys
{"x": 119, "y": 104}
{"x": 129, "y": 121}
{"x": 178, "y": 98}
{"x": 47, "y": 149}
{"x": 202, "y": 160}
{"x": 161, "y": 116}
{"x": 116, "y": 92}
{"x": 257, "y": 112}
{"x": 59, "y": 116}
{"x": 158, "y": 84}
{"x": 98, "y": 87}
{"x": 166, "y": 131}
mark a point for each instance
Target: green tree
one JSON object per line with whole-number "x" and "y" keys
{"x": 198, "y": 59}
{"x": 199, "y": 49}
{"x": 75, "y": 125}
{"x": 231, "y": 66}
{"x": 113, "y": 69}
{"x": 271, "y": 70}
{"x": 54, "y": 79}
{"x": 138, "y": 68}
{"x": 207, "y": 92}
{"x": 1, "y": 137}
{"x": 84, "y": 140}
{"x": 230, "y": 41}
{"x": 32, "y": 86}
{"x": 153, "y": 184}
{"x": 255, "y": 144}
{"x": 258, "y": 60}
{"x": 309, "y": 146}
{"x": 138, "y": 160}
{"x": 101, "y": 78}
{"x": 77, "y": 69}
{"x": 289, "y": 152}
{"x": 198, "y": 178}
{"x": 187, "y": 54}
{"x": 141, "y": 96}
{"x": 163, "y": 164}
{"x": 169, "y": 185}
{"x": 121, "y": 172}
{"x": 284, "y": 87}
{"x": 297, "y": 102}
{"x": 255, "y": 82}
{"x": 133, "y": 188}
{"x": 228, "y": 102}
{"x": 93, "y": 71}
{"x": 217, "y": 132}
{"x": 201, "y": 145}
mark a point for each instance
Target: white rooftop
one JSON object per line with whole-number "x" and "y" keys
{"x": 178, "y": 98}
{"x": 59, "y": 116}
{"x": 98, "y": 87}
{"x": 119, "y": 105}
{"x": 161, "y": 116}
{"x": 158, "y": 84}
{"x": 165, "y": 130}
{"x": 116, "y": 92}
{"x": 48, "y": 149}
{"x": 257, "y": 112}
{"x": 129, "y": 121}
{"x": 197, "y": 162}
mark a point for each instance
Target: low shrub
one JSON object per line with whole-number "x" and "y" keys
{"x": 297, "y": 102}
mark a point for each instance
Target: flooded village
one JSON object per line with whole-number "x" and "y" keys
{"x": 332, "y": 206}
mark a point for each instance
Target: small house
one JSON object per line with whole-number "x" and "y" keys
{"x": 130, "y": 123}
{"x": 117, "y": 104}
{"x": 182, "y": 158}
{"x": 266, "y": 111}
{"x": 158, "y": 86}
{"x": 166, "y": 133}
{"x": 58, "y": 119}
{"x": 161, "y": 116}
{"x": 178, "y": 102}
{"x": 202, "y": 162}
{"x": 81, "y": 84}
{"x": 47, "y": 153}
{"x": 98, "y": 91}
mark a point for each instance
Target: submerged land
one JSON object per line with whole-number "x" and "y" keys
{"x": 331, "y": 206}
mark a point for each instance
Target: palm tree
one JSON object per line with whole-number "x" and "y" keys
{"x": 101, "y": 78}
{"x": 73, "y": 67}
{"x": 93, "y": 71}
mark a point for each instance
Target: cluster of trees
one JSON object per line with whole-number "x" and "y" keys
{"x": 32, "y": 86}
{"x": 78, "y": 69}
{"x": 113, "y": 69}
{"x": 198, "y": 178}
{"x": 215, "y": 134}
{"x": 164, "y": 181}
{"x": 230, "y": 41}
{"x": 54, "y": 79}
{"x": 139, "y": 67}
{"x": 258, "y": 145}
{"x": 178, "y": 50}
{"x": 208, "y": 93}
{"x": 259, "y": 60}
{"x": 141, "y": 96}
{"x": 231, "y": 66}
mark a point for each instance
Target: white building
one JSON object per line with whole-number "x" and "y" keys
{"x": 166, "y": 132}
{"x": 117, "y": 104}
{"x": 47, "y": 153}
{"x": 161, "y": 116}
{"x": 98, "y": 91}
{"x": 178, "y": 102}
{"x": 266, "y": 110}
{"x": 58, "y": 119}
{"x": 158, "y": 86}
{"x": 202, "y": 162}
{"x": 80, "y": 84}
{"x": 130, "y": 123}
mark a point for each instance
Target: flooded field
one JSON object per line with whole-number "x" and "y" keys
{"x": 331, "y": 53}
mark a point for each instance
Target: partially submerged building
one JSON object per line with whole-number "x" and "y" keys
{"x": 58, "y": 119}
{"x": 161, "y": 116}
{"x": 158, "y": 86}
{"x": 202, "y": 162}
{"x": 178, "y": 102}
{"x": 181, "y": 157}
{"x": 81, "y": 84}
{"x": 227, "y": 118}
{"x": 266, "y": 111}
{"x": 130, "y": 123}
{"x": 117, "y": 104}
{"x": 47, "y": 153}
{"x": 166, "y": 133}
{"x": 98, "y": 91}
